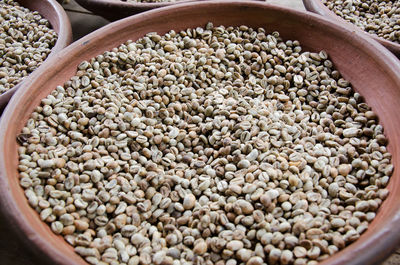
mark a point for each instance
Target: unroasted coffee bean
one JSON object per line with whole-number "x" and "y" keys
{"x": 26, "y": 39}
{"x": 222, "y": 145}
{"x": 380, "y": 18}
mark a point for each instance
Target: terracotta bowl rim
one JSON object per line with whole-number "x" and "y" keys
{"x": 17, "y": 218}
{"x": 63, "y": 40}
{"x": 318, "y": 7}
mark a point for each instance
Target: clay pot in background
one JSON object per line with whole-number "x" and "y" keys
{"x": 318, "y": 7}
{"x": 59, "y": 21}
{"x": 117, "y": 9}
{"x": 372, "y": 70}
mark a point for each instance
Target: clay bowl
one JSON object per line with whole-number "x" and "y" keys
{"x": 318, "y": 7}
{"x": 116, "y": 9}
{"x": 373, "y": 71}
{"x": 52, "y": 11}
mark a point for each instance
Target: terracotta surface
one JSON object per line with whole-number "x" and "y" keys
{"x": 52, "y": 11}
{"x": 318, "y": 7}
{"x": 296, "y": 4}
{"x": 372, "y": 70}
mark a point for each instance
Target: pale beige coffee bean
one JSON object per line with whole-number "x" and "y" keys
{"x": 379, "y": 18}
{"x": 21, "y": 51}
{"x": 223, "y": 145}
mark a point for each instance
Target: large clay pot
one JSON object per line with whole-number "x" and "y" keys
{"x": 55, "y": 14}
{"x": 318, "y": 7}
{"x": 373, "y": 71}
